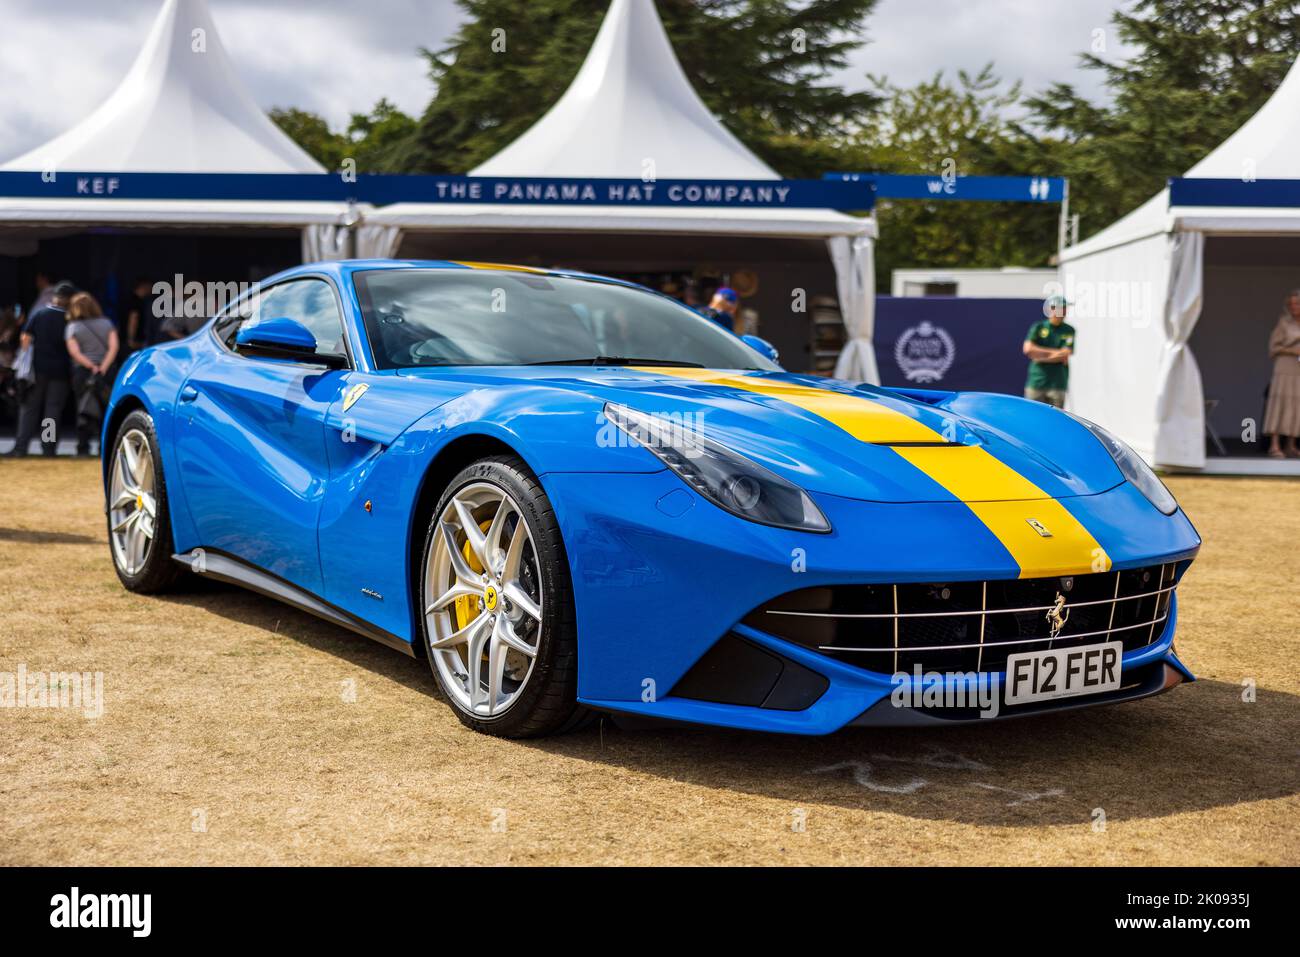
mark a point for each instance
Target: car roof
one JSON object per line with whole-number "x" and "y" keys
{"x": 343, "y": 269}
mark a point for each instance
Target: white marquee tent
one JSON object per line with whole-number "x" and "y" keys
{"x": 182, "y": 108}
{"x": 1163, "y": 278}
{"x": 632, "y": 111}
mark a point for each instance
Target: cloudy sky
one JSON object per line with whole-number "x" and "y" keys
{"x": 60, "y": 58}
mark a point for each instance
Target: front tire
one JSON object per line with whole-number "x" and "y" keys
{"x": 498, "y": 619}
{"x": 139, "y": 525}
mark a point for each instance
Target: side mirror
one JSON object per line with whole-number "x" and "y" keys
{"x": 283, "y": 338}
{"x": 761, "y": 346}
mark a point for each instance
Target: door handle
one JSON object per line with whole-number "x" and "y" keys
{"x": 189, "y": 393}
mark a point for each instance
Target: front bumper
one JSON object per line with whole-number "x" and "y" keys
{"x": 1140, "y": 681}
{"x": 661, "y": 575}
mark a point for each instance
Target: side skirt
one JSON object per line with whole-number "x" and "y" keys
{"x": 227, "y": 568}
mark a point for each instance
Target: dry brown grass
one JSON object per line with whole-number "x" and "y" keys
{"x": 226, "y": 704}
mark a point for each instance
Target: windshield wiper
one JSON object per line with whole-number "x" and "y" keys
{"x": 615, "y": 361}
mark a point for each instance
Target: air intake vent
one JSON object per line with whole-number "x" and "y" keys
{"x": 736, "y": 671}
{"x": 972, "y": 626}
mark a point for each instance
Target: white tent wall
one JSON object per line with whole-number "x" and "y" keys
{"x": 1141, "y": 378}
{"x": 326, "y": 242}
{"x": 1180, "y": 406}
{"x": 1119, "y": 317}
{"x": 376, "y": 241}
{"x": 855, "y": 280}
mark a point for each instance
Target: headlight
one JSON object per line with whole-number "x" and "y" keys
{"x": 725, "y": 478}
{"x": 1134, "y": 469}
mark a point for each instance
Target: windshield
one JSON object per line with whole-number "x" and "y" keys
{"x": 457, "y": 317}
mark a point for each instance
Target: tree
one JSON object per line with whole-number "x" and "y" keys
{"x": 512, "y": 59}
{"x": 368, "y": 137}
{"x": 1202, "y": 67}
{"x": 939, "y": 127}
{"x": 371, "y": 136}
{"x": 312, "y": 133}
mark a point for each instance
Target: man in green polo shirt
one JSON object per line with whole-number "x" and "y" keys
{"x": 1049, "y": 343}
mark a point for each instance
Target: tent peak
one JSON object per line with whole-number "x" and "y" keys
{"x": 1266, "y": 146}
{"x": 182, "y": 107}
{"x": 629, "y": 112}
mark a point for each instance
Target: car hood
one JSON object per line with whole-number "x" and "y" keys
{"x": 838, "y": 438}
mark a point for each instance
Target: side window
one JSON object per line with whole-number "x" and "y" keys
{"x": 226, "y": 326}
{"x": 308, "y": 301}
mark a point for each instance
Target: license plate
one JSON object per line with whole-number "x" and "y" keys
{"x": 1063, "y": 672}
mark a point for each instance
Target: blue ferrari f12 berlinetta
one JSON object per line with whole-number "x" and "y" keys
{"x": 574, "y": 495}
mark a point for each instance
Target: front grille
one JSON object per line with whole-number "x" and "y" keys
{"x": 971, "y": 626}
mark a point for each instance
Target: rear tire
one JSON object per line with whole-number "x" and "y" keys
{"x": 139, "y": 524}
{"x": 497, "y": 614}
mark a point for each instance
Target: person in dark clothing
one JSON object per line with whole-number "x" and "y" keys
{"x": 1049, "y": 344}
{"x": 45, "y": 398}
{"x": 142, "y": 327}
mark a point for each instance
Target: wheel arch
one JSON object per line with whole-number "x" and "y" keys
{"x": 449, "y": 460}
{"x": 125, "y": 406}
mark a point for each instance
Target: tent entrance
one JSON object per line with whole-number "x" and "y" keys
{"x": 1245, "y": 285}
{"x": 107, "y": 260}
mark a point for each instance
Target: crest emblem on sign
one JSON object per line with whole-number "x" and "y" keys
{"x": 925, "y": 352}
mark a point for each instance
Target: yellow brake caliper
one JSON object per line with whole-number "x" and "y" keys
{"x": 467, "y": 605}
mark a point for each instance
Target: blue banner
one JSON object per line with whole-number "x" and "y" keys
{"x": 849, "y": 192}
{"x": 952, "y": 343}
{"x": 1234, "y": 192}
{"x": 577, "y": 191}
{"x": 382, "y": 189}
{"x": 1011, "y": 189}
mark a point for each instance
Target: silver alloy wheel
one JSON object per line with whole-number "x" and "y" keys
{"x": 133, "y": 507}
{"x": 484, "y": 622}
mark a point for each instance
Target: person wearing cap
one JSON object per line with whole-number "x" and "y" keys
{"x": 1049, "y": 343}
{"x": 722, "y": 309}
{"x": 44, "y": 332}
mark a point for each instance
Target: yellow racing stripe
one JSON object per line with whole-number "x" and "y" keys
{"x": 1006, "y": 502}
{"x": 865, "y": 421}
{"x": 503, "y": 267}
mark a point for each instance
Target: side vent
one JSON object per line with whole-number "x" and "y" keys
{"x": 737, "y": 671}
